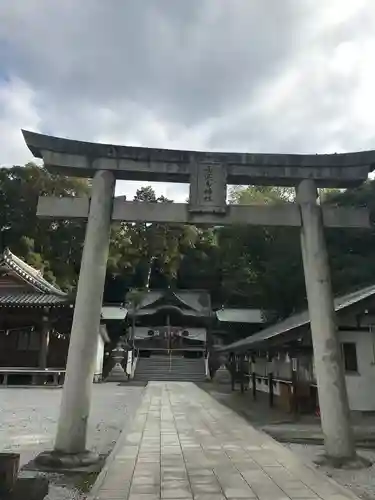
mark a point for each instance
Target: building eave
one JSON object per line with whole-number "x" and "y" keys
{"x": 35, "y": 300}
{"x": 290, "y": 326}
{"x": 29, "y": 275}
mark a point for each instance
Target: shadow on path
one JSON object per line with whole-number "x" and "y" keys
{"x": 286, "y": 427}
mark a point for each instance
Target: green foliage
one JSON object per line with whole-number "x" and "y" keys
{"x": 164, "y": 243}
{"x": 239, "y": 265}
{"x": 262, "y": 266}
{"x": 260, "y": 195}
{"x": 352, "y": 251}
{"x": 53, "y": 246}
{"x": 134, "y": 297}
{"x": 271, "y": 260}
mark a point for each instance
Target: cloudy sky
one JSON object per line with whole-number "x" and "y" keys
{"x": 235, "y": 75}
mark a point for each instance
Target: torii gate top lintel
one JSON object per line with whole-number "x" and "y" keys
{"x": 83, "y": 159}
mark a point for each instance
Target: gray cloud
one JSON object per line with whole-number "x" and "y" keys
{"x": 222, "y": 74}
{"x": 184, "y": 60}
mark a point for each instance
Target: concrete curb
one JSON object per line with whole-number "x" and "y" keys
{"x": 310, "y": 465}
{"x": 360, "y": 443}
{"x": 111, "y": 457}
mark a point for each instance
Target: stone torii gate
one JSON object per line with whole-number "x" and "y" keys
{"x": 208, "y": 174}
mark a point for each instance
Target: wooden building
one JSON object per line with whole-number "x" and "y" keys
{"x": 35, "y": 324}
{"x": 35, "y": 318}
{"x": 281, "y": 360}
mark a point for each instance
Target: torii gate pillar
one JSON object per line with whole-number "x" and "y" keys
{"x": 70, "y": 444}
{"x": 333, "y": 399}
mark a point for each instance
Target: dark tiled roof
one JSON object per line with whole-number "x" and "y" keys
{"x": 18, "y": 299}
{"x": 296, "y": 321}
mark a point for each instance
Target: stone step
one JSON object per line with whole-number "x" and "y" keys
{"x": 178, "y": 368}
{"x": 167, "y": 368}
{"x": 181, "y": 366}
{"x": 164, "y": 368}
{"x": 174, "y": 361}
{"x": 176, "y": 375}
{"x": 169, "y": 375}
{"x": 170, "y": 379}
{"x": 148, "y": 372}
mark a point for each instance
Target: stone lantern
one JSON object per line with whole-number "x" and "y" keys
{"x": 117, "y": 374}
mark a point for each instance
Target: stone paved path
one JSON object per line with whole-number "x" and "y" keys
{"x": 185, "y": 445}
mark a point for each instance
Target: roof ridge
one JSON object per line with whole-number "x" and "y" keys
{"x": 30, "y": 274}
{"x": 32, "y": 270}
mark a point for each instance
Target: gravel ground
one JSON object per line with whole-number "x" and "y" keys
{"x": 28, "y": 418}
{"x": 361, "y": 482}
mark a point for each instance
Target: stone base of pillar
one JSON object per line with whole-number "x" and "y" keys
{"x": 57, "y": 461}
{"x": 354, "y": 463}
{"x": 117, "y": 374}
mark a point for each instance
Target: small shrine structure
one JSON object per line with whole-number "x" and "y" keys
{"x": 171, "y": 321}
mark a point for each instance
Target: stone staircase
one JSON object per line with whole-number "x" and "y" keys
{"x": 175, "y": 369}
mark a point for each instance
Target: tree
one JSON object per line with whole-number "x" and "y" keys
{"x": 352, "y": 252}
{"x": 260, "y": 195}
{"x": 262, "y": 266}
{"x": 200, "y": 265}
{"x": 241, "y": 266}
{"x": 54, "y": 246}
{"x": 133, "y": 300}
{"x": 159, "y": 244}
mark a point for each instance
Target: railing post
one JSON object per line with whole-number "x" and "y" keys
{"x": 270, "y": 383}
{"x": 270, "y": 378}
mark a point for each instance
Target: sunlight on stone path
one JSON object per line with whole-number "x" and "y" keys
{"x": 185, "y": 445}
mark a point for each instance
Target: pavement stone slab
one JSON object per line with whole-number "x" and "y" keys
{"x": 184, "y": 445}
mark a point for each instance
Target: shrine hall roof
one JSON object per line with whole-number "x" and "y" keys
{"x": 237, "y": 315}
{"x": 188, "y": 302}
{"x": 29, "y": 274}
{"x": 31, "y": 299}
{"x": 292, "y": 323}
{"x": 36, "y": 291}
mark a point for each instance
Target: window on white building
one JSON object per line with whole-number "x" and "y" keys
{"x": 349, "y": 352}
